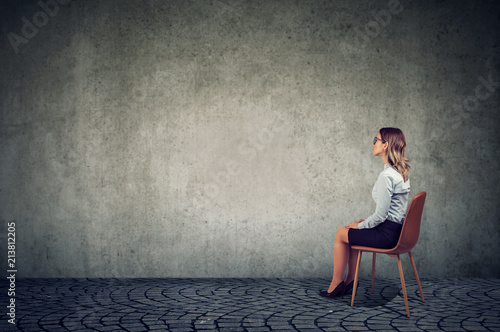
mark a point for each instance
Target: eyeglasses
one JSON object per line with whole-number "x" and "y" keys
{"x": 375, "y": 139}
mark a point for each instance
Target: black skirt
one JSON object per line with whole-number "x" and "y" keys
{"x": 384, "y": 235}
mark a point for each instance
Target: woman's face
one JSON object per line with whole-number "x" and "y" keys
{"x": 379, "y": 148}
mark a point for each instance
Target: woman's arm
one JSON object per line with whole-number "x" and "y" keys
{"x": 384, "y": 189}
{"x": 355, "y": 224}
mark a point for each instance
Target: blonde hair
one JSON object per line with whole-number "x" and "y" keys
{"x": 396, "y": 150}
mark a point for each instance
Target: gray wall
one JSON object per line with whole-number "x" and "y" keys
{"x": 230, "y": 138}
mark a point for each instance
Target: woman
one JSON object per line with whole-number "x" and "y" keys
{"x": 381, "y": 229}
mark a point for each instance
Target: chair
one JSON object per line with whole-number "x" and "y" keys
{"x": 407, "y": 240}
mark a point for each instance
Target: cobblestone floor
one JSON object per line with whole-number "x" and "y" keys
{"x": 248, "y": 305}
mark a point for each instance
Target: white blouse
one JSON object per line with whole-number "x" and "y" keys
{"x": 390, "y": 193}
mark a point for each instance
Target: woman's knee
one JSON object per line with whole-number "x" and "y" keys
{"x": 342, "y": 235}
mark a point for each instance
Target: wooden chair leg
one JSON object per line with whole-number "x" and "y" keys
{"x": 356, "y": 275}
{"x": 416, "y": 275}
{"x": 373, "y": 271}
{"x": 402, "y": 277}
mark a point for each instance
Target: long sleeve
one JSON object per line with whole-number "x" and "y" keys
{"x": 390, "y": 194}
{"x": 382, "y": 193}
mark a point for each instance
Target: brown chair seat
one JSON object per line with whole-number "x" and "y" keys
{"x": 407, "y": 241}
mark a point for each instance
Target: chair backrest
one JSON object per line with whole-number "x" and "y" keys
{"x": 411, "y": 225}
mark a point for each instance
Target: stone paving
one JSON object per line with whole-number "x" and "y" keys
{"x": 248, "y": 305}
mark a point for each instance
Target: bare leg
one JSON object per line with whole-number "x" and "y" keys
{"x": 341, "y": 255}
{"x": 353, "y": 257}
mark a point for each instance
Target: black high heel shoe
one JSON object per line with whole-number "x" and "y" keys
{"x": 338, "y": 291}
{"x": 348, "y": 288}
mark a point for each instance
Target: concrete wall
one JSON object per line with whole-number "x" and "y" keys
{"x": 229, "y": 138}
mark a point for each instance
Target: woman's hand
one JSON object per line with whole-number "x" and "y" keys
{"x": 354, "y": 225}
